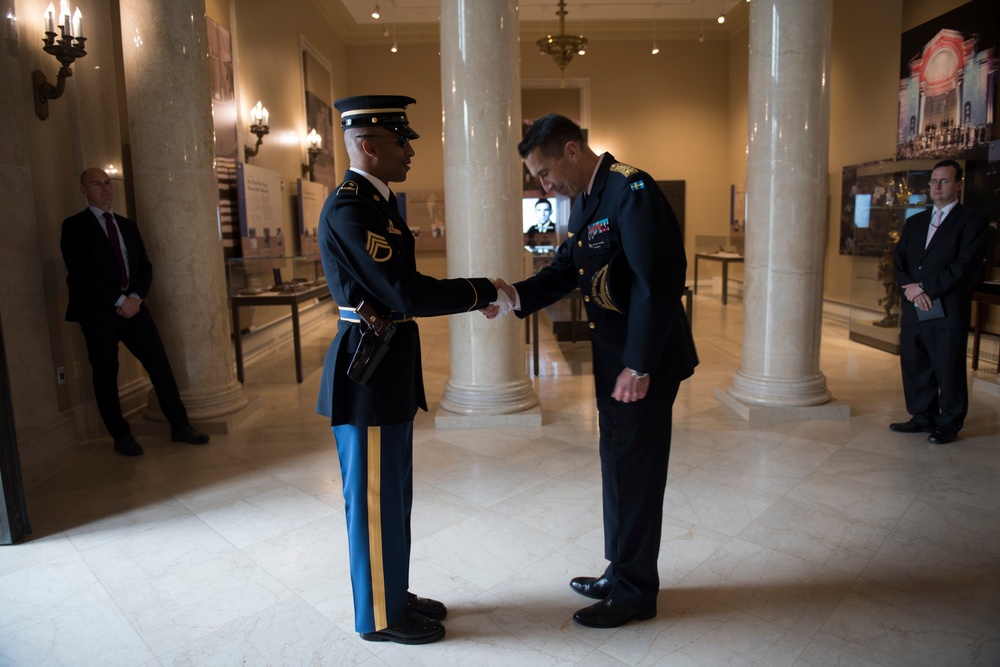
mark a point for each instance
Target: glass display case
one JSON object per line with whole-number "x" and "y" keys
{"x": 263, "y": 275}
{"x": 877, "y": 199}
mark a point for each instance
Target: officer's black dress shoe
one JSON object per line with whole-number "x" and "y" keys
{"x": 941, "y": 437}
{"x": 593, "y": 587}
{"x": 127, "y": 445}
{"x": 189, "y": 434}
{"x": 432, "y": 609}
{"x": 609, "y": 614}
{"x": 911, "y": 426}
{"x": 409, "y": 629}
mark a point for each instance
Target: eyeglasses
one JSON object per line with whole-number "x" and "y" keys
{"x": 544, "y": 173}
{"x": 944, "y": 182}
{"x": 401, "y": 141}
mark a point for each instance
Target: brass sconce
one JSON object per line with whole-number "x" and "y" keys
{"x": 259, "y": 126}
{"x": 314, "y": 144}
{"x": 66, "y": 50}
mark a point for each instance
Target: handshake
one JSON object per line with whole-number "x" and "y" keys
{"x": 506, "y": 300}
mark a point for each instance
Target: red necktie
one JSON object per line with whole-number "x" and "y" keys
{"x": 109, "y": 222}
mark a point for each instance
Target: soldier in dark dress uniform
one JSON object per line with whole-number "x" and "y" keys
{"x": 368, "y": 256}
{"x": 625, "y": 253}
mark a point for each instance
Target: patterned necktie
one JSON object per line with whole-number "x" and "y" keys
{"x": 109, "y": 222}
{"x": 935, "y": 223}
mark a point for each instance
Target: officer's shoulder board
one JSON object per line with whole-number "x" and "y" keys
{"x": 628, "y": 171}
{"x": 349, "y": 188}
{"x": 625, "y": 170}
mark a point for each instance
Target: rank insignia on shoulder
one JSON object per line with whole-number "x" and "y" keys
{"x": 392, "y": 228}
{"x": 623, "y": 169}
{"x": 637, "y": 185}
{"x": 348, "y": 187}
{"x": 378, "y": 247}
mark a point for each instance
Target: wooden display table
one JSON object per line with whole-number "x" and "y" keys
{"x": 726, "y": 258}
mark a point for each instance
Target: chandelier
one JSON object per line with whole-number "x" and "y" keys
{"x": 562, "y": 46}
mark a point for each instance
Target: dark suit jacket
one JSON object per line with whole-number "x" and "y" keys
{"x": 93, "y": 277}
{"x": 947, "y": 268}
{"x": 625, "y": 211}
{"x": 368, "y": 255}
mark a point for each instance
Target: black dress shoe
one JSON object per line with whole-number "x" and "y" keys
{"x": 941, "y": 437}
{"x": 432, "y": 609}
{"x": 189, "y": 435}
{"x": 128, "y": 446}
{"x": 609, "y": 614}
{"x": 593, "y": 587}
{"x": 911, "y": 426}
{"x": 409, "y": 629}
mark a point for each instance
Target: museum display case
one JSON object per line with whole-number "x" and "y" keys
{"x": 273, "y": 275}
{"x": 877, "y": 199}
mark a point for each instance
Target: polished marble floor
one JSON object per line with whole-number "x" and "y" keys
{"x": 803, "y": 543}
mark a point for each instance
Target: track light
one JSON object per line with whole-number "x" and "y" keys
{"x": 721, "y": 19}
{"x": 375, "y": 13}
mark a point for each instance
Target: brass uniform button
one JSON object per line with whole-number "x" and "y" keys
{"x": 581, "y": 272}
{"x": 592, "y": 325}
{"x": 579, "y": 244}
{"x": 586, "y": 298}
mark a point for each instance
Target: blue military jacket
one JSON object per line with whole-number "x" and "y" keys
{"x": 625, "y": 211}
{"x": 368, "y": 254}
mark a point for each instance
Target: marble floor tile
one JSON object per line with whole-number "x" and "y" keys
{"x": 794, "y": 543}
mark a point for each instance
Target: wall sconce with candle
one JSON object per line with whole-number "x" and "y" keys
{"x": 66, "y": 50}
{"x": 314, "y": 144}
{"x": 259, "y": 126}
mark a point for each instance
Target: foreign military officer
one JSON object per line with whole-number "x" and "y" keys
{"x": 626, "y": 255}
{"x": 368, "y": 258}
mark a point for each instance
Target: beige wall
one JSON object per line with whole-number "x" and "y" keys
{"x": 864, "y": 84}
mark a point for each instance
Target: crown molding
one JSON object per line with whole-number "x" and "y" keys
{"x": 354, "y": 34}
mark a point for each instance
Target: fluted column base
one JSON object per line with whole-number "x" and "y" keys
{"x": 987, "y": 383}
{"x": 510, "y": 405}
{"x": 755, "y": 412}
{"x": 780, "y": 392}
{"x": 215, "y": 411}
{"x": 495, "y": 399}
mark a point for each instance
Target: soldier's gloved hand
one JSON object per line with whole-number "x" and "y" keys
{"x": 503, "y": 305}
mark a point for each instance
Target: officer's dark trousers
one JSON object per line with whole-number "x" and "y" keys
{"x": 635, "y": 449}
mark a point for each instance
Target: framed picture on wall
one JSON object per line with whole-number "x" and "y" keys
{"x": 948, "y": 84}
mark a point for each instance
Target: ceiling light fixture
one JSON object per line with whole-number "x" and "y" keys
{"x": 562, "y": 46}
{"x": 375, "y": 13}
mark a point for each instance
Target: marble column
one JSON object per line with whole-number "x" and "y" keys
{"x": 787, "y": 167}
{"x": 41, "y": 428}
{"x": 165, "y": 53}
{"x": 480, "y": 80}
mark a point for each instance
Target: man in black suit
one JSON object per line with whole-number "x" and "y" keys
{"x": 109, "y": 276}
{"x": 625, "y": 253}
{"x": 937, "y": 261}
